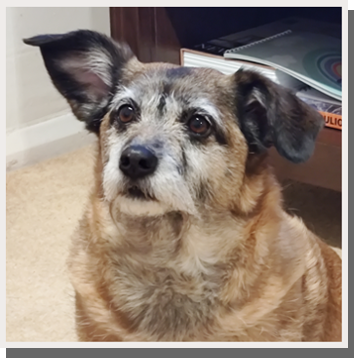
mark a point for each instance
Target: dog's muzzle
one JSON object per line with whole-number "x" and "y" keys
{"x": 137, "y": 162}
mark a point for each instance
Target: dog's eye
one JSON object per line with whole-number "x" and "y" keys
{"x": 199, "y": 125}
{"x": 126, "y": 113}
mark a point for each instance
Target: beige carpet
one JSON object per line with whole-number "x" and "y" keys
{"x": 44, "y": 203}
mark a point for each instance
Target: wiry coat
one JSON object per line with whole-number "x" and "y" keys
{"x": 208, "y": 254}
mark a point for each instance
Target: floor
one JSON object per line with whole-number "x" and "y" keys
{"x": 43, "y": 205}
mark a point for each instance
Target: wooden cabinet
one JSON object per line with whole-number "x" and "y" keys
{"x": 157, "y": 34}
{"x": 148, "y": 31}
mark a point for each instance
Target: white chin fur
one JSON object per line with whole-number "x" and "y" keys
{"x": 138, "y": 207}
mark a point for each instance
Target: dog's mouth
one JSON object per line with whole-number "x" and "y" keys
{"x": 135, "y": 192}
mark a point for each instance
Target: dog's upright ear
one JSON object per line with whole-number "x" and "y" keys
{"x": 271, "y": 115}
{"x": 85, "y": 66}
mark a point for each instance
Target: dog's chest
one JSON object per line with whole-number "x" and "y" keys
{"x": 165, "y": 301}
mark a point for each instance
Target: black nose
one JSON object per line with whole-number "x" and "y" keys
{"x": 137, "y": 162}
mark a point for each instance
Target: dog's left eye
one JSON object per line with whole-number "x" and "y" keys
{"x": 199, "y": 125}
{"x": 126, "y": 113}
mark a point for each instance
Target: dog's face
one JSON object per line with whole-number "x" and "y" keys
{"x": 173, "y": 138}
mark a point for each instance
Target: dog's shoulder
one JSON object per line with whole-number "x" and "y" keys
{"x": 321, "y": 285}
{"x": 333, "y": 265}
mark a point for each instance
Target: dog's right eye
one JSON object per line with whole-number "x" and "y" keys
{"x": 199, "y": 126}
{"x": 126, "y": 113}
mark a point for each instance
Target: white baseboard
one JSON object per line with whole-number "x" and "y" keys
{"x": 32, "y": 144}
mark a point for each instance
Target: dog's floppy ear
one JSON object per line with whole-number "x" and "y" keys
{"x": 271, "y": 115}
{"x": 85, "y": 67}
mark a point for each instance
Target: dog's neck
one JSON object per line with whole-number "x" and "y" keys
{"x": 216, "y": 233}
{"x": 218, "y": 260}
{"x": 144, "y": 235}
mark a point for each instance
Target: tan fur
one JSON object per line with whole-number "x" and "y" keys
{"x": 274, "y": 280}
{"x": 184, "y": 237}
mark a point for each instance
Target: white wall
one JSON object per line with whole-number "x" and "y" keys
{"x": 38, "y": 120}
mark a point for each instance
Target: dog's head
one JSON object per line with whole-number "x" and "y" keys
{"x": 173, "y": 138}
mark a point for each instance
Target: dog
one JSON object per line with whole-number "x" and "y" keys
{"x": 184, "y": 237}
